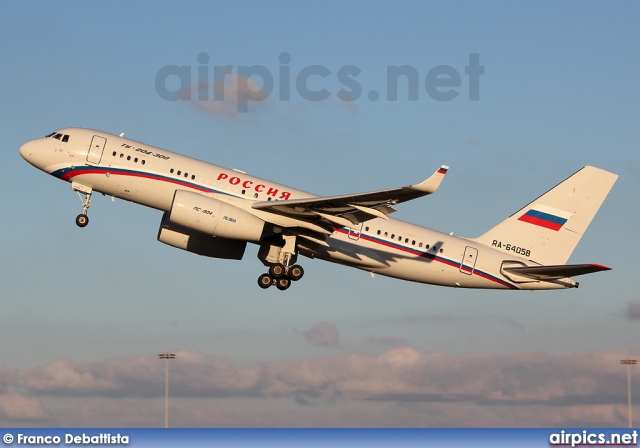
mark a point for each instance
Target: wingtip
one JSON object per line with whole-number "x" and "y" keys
{"x": 601, "y": 267}
{"x": 431, "y": 184}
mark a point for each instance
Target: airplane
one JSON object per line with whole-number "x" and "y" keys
{"x": 214, "y": 212}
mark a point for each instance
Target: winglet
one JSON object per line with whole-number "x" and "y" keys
{"x": 431, "y": 185}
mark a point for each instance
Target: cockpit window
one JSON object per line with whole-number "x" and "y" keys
{"x": 50, "y": 135}
{"x": 57, "y": 136}
{"x": 65, "y": 138}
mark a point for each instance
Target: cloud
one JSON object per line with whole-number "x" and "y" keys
{"x": 299, "y": 399}
{"x": 513, "y": 323}
{"x": 323, "y": 334}
{"x": 472, "y": 141}
{"x": 233, "y": 98}
{"x": 386, "y": 340}
{"x": 633, "y": 310}
{"x": 398, "y": 374}
{"x": 425, "y": 319}
{"x": 388, "y": 388}
{"x": 15, "y": 406}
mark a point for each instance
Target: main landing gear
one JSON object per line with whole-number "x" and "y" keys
{"x": 279, "y": 258}
{"x": 280, "y": 276}
{"x": 82, "y": 219}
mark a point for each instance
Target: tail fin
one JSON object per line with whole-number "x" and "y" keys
{"x": 549, "y": 228}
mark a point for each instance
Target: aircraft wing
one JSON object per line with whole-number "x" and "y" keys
{"x": 351, "y": 209}
{"x": 556, "y": 272}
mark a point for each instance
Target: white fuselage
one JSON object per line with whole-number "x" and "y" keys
{"x": 150, "y": 176}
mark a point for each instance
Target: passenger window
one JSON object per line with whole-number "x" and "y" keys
{"x": 406, "y": 240}
{"x": 413, "y": 243}
{"x": 386, "y": 233}
{"x": 399, "y": 238}
{"x": 65, "y": 138}
{"x": 135, "y": 160}
{"x": 379, "y": 232}
{"x": 114, "y": 153}
{"x": 193, "y": 176}
{"x": 178, "y": 173}
{"x": 121, "y": 156}
{"x": 441, "y": 250}
{"x": 142, "y": 161}
{"x": 393, "y": 236}
{"x": 171, "y": 170}
{"x": 420, "y": 245}
{"x": 366, "y": 229}
{"x": 255, "y": 195}
{"x": 128, "y": 157}
{"x": 426, "y": 247}
{"x": 186, "y": 174}
{"x": 243, "y": 191}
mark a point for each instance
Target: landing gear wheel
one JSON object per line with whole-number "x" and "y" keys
{"x": 296, "y": 272}
{"x": 264, "y": 281}
{"x": 283, "y": 283}
{"x": 82, "y": 220}
{"x": 277, "y": 270}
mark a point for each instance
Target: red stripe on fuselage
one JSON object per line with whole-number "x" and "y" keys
{"x": 74, "y": 173}
{"x": 429, "y": 257}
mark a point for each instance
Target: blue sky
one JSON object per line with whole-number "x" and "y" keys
{"x": 559, "y": 91}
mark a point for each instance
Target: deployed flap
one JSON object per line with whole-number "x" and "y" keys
{"x": 352, "y": 208}
{"x": 555, "y": 272}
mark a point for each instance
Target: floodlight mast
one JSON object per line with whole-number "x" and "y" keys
{"x": 629, "y": 363}
{"x": 166, "y": 357}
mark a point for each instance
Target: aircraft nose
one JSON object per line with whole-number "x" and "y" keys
{"x": 26, "y": 150}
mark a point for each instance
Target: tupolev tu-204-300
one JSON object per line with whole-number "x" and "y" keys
{"x": 214, "y": 211}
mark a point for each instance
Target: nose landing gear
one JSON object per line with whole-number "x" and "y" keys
{"x": 82, "y": 219}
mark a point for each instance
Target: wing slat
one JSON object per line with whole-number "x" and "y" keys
{"x": 352, "y": 208}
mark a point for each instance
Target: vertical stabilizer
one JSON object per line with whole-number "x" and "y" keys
{"x": 548, "y": 229}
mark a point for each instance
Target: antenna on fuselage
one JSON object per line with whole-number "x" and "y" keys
{"x": 122, "y": 135}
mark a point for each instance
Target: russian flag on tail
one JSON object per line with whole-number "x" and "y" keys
{"x": 543, "y": 216}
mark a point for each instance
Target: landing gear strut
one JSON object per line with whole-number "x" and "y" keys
{"x": 82, "y": 219}
{"x": 281, "y": 274}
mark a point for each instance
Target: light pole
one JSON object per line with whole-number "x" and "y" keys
{"x": 166, "y": 357}
{"x": 629, "y": 363}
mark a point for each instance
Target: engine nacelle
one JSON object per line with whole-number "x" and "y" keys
{"x": 214, "y": 217}
{"x": 199, "y": 243}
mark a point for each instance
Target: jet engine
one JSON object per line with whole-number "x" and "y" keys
{"x": 213, "y": 217}
{"x": 198, "y": 242}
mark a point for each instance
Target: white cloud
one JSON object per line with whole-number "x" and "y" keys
{"x": 532, "y": 389}
{"x": 20, "y": 407}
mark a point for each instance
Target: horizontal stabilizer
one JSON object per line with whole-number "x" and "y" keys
{"x": 555, "y": 272}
